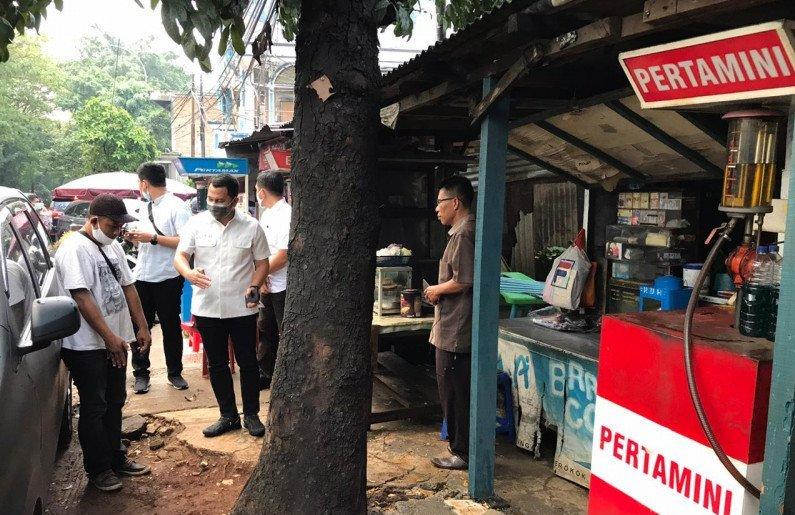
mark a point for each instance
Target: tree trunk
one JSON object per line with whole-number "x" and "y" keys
{"x": 315, "y": 453}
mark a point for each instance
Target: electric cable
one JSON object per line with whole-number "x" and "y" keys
{"x": 691, "y": 379}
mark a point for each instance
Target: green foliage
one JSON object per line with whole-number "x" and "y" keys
{"x": 110, "y": 140}
{"x": 28, "y": 83}
{"x": 125, "y": 75}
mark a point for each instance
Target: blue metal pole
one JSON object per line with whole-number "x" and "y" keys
{"x": 778, "y": 474}
{"x": 486, "y": 302}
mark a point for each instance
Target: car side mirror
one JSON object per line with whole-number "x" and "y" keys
{"x": 52, "y": 318}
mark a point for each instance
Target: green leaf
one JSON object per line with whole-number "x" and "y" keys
{"x": 223, "y": 41}
{"x": 154, "y": 4}
{"x": 58, "y": 4}
{"x": 189, "y": 47}
{"x": 205, "y": 64}
{"x": 237, "y": 39}
{"x": 139, "y": 4}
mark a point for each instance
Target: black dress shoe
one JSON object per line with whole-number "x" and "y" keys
{"x": 178, "y": 382}
{"x": 254, "y": 426}
{"x": 453, "y": 462}
{"x": 224, "y": 425}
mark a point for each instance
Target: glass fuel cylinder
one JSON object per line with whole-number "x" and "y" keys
{"x": 750, "y": 174}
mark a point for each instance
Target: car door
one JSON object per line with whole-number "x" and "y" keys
{"x": 39, "y": 379}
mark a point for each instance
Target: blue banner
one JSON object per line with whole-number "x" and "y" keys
{"x": 207, "y": 166}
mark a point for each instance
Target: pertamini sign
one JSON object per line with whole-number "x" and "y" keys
{"x": 746, "y": 63}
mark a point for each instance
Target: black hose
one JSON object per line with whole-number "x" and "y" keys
{"x": 691, "y": 378}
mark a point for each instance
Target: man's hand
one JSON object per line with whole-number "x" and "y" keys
{"x": 265, "y": 289}
{"x": 252, "y": 297}
{"x": 198, "y": 279}
{"x": 139, "y": 237}
{"x": 432, "y": 294}
{"x": 143, "y": 340}
{"x": 117, "y": 351}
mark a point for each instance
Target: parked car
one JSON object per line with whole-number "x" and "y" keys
{"x": 73, "y": 216}
{"x": 35, "y": 390}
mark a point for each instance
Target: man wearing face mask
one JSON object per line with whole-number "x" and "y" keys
{"x": 275, "y": 221}
{"x": 157, "y": 281}
{"x": 94, "y": 271}
{"x": 230, "y": 254}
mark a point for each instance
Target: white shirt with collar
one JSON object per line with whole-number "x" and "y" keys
{"x": 227, "y": 254}
{"x": 156, "y": 262}
{"x": 275, "y": 222}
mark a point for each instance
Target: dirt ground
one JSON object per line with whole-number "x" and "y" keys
{"x": 196, "y": 475}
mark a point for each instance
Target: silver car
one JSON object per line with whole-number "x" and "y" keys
{"x": 35, "y": 392}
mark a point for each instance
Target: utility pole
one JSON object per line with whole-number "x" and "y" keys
{"x": 193, "y": 117}
{"x": 201, "y": 116}
{"x": 440, "y": 32}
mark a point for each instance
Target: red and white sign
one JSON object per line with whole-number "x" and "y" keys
{"x": 275, "y": 159}
{"x": 649, "y": 453}
{"x": 747, "y": 63}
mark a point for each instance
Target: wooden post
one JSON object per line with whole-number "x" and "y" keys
{"x": 486, "y": 303}
{"x": 778, "y": 476}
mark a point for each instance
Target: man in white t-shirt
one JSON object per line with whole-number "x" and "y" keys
{"x": 275, "y": 221}
{"x": 94, "y": 271}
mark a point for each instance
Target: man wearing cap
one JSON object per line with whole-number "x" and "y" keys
{"x": 93, "y": 270}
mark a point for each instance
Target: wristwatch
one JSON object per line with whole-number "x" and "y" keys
{"x": 153, "y": 241}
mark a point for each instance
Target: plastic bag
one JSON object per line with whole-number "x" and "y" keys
{"x": 566, "y": 279}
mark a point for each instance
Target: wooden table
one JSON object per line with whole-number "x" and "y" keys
{"x": 413, "y": 390}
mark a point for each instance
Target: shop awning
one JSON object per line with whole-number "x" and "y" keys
{"x": 122, "y": 184}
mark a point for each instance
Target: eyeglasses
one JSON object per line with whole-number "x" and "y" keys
{"x": 439, "y": 201}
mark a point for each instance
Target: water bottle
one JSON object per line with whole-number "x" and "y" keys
{"x": 776, "y": 261}
{"x": 756, "y": 297}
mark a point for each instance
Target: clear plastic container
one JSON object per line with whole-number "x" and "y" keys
{"x": 756, "y": 297}
{"x": 776, "y": 264}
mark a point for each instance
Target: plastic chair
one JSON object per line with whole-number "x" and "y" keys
{"x": 505, "y": 425}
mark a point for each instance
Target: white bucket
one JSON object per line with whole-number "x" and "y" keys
{"x": 690, "y": 273}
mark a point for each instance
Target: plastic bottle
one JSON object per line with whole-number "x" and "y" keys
{"x": 776, "y": 263}
{"x": 757, "y": 297}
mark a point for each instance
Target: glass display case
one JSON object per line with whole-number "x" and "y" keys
{"x": 389, "y": 282}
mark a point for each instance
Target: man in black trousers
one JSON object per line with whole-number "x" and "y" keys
{"x": 157, "y": 281}
{"x": 452, "y": 328}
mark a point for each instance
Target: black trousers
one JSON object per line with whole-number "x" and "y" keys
{"x": 216, "y": 333}
{"x": 453, "y": 372}
{"x": 102, "y": 395}
{"x": 163, "y": 299}
{"x": 269, "y": 324}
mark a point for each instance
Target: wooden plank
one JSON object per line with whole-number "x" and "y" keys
{"x": 663, "y": 137}
{"x": 587, "y": 147}
{"x": 428, "y": 96}
{"x": 548, "y": 166}
{"x": 404, "y": 413}
{"x": 574, "y": 104}
{"x": 778, "y": 473}
{"x": 486, "y": 298}
{"x": 409, "y": 384}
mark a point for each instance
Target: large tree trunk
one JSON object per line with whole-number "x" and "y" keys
{"x": 315, "y": 453}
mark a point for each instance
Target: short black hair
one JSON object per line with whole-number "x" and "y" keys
{"x": 271, "y": 181}
{"x": 153, "y": 173}
{"x": 461, "y": 187}
{"x": 226, "y": 181}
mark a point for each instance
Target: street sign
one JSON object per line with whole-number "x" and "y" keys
{"x": 747, "y": 63}
{"x": 207, "y": 166}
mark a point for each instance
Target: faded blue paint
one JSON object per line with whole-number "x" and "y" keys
{"x": 553, "y": 389}
{"x": 486, "y": 294}
{"x": 778, "y": 474}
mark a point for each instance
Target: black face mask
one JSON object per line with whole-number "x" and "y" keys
{"x": 220, "y": 211}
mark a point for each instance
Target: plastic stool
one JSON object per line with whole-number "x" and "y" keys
{"x": 505, "y": 425}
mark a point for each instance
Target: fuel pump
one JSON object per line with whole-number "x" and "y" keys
{"x": 748, "y": 183}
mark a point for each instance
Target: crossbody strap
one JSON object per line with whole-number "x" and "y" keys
{"x": 152, "y": 219}
{"x": 110, "y": 265}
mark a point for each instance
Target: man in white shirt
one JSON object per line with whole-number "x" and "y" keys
{"x": 275, "y": 221}
{"x": 93, "y": 269}
{"x": 230, "y": 265}
{"x": 157, "y": 281}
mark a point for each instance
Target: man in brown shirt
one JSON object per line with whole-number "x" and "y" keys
{"x": 452, "y": 328}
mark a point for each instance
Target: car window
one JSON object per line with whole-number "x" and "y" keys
{"x": 19, "y": 287}
{"x": 81, "y": 209}
{"x": 33, "y": 245}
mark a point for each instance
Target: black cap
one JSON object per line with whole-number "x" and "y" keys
{"x": 110, "y": 206}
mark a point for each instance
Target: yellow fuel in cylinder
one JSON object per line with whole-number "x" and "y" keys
{"x": 750, "y": 175}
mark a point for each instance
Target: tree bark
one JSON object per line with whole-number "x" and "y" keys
{"x": 315, "y": 452}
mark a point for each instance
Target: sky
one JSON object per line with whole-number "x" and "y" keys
{"x": 121, "y": 18}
